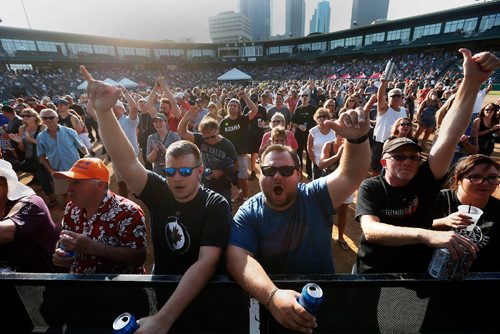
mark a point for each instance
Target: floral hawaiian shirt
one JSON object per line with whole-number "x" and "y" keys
{"x": 118, "y": 222}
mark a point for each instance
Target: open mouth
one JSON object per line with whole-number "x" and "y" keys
{"x": 278, "y": 190}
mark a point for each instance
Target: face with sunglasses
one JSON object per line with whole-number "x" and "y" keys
{"x": 404, "y": 128}
{"x": 49, "y": 118}
{"x": 279, "y": 179}
{"x": 210, "y": 136}
{"x": 401, "y": 165}
{"x": 183, "y": 177}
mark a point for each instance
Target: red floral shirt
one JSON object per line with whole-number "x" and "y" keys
{"x": 118, "y": 222}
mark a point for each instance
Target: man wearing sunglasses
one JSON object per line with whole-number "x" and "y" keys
{"x": 287, "y": 228}
{"x": 189, "y": 224}
{"x": 395, "y": 210}
{"x": 218, "y": 153}
{"x": 388, "y": 112}
{"x": 58, "y": 147}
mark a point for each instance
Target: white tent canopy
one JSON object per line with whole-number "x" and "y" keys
{"x": 127, "y": 83}
{"x": 234, "y": 75}
{"x": 82, "y": 86}
{"x": 111, "y": 82}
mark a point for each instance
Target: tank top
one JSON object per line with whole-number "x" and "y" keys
{"x": 382, "y": 129}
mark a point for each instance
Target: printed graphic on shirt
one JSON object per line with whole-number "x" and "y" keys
{"x": 176, "y": 235}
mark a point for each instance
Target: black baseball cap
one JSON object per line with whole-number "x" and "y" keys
{"x": 391, "y": 145}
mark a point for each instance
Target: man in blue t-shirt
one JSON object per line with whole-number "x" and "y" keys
{"x": 287, "y": 228}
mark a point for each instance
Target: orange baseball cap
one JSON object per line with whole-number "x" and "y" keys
{"x": 86, "y": 169}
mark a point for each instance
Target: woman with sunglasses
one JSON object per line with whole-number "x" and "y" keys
{"x": 26, "y": 139}
{"x": 487, "y": 126}
{"x": 331, "y": 105}
{"x": 402, "y": 128}
{"x": 318, "y": 136}
{"x": 474, "y": 181}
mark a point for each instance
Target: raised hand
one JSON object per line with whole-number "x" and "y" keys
{"x": 354, "y": 123}
{"x": 192, "y": 113}
{"x": 479, "y": 67}
{"x": 101, "y": 96}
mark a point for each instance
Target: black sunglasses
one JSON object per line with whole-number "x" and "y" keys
{"x": 49, "y": 118}
{"x": 184, "y": 171}
{"x": 27, "y": 115}
{"x": 404, "y": 124}
{"x": 285, "y": 171}
{"x": 396, "y": 96}
{"x": 209, "y": 137}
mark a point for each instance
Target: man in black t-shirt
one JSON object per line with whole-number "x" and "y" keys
{"x": 395, "y": 210}
{"x": 303, "y": 121}
{"x": 190, "y": 224}
{"x": 255, "y": 132}
{"x": 235, "y": 128}
{"x": 217, "y": 153}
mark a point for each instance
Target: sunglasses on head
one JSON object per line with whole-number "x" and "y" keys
{"x": 184, "y": 171}
{"x": 48, "y": 118}
{"x": 285, "y": 171}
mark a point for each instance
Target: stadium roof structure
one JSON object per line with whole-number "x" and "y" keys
{"x": 234, "y": 75}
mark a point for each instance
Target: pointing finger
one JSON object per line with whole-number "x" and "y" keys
{"x": 86, "y": 73}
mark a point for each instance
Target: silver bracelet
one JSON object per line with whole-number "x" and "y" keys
{"x": 270, "y": 297}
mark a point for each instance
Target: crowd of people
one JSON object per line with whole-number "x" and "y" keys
{"x": 310, "y": 143}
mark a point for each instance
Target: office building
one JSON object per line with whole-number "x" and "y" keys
{"x": 295, "y": 18}
{"x": 365, "y": 12}
{"x": 259, "y": 13}
{"x": 229, "y": 27}
{"x": 320, "y": 21}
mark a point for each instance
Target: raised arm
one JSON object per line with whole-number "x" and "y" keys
{"x": 132, "y": 104}
{"x": 152, "y": 98}
{"x": 477, "y": 69}
{"x": 102, "y": 97}
{"x": 182, "y": 128}
{"x": 253, "y": 108}
{"x": 168, "y": 94}
{"x": 355, "y": 161}
{"x": 382, "y": 105}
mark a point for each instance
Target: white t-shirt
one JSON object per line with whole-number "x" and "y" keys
{"x": 128, "y": 126}
{"x": 382, "y": 129}
{"x": 320, "y": 140}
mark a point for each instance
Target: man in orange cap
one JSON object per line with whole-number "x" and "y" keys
{"x": 102, "y": 231}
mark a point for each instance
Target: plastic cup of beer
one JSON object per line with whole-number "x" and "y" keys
{"x": 473, "y": 212}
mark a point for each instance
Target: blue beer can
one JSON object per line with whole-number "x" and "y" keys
{"x": 69, "y": 253}
{"x": 125, "y": 324}
{"x": 311, "y": 298}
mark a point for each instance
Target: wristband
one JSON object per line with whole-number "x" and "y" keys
{"x": 358, "y": 140}
{"x": 270, "y": 297}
